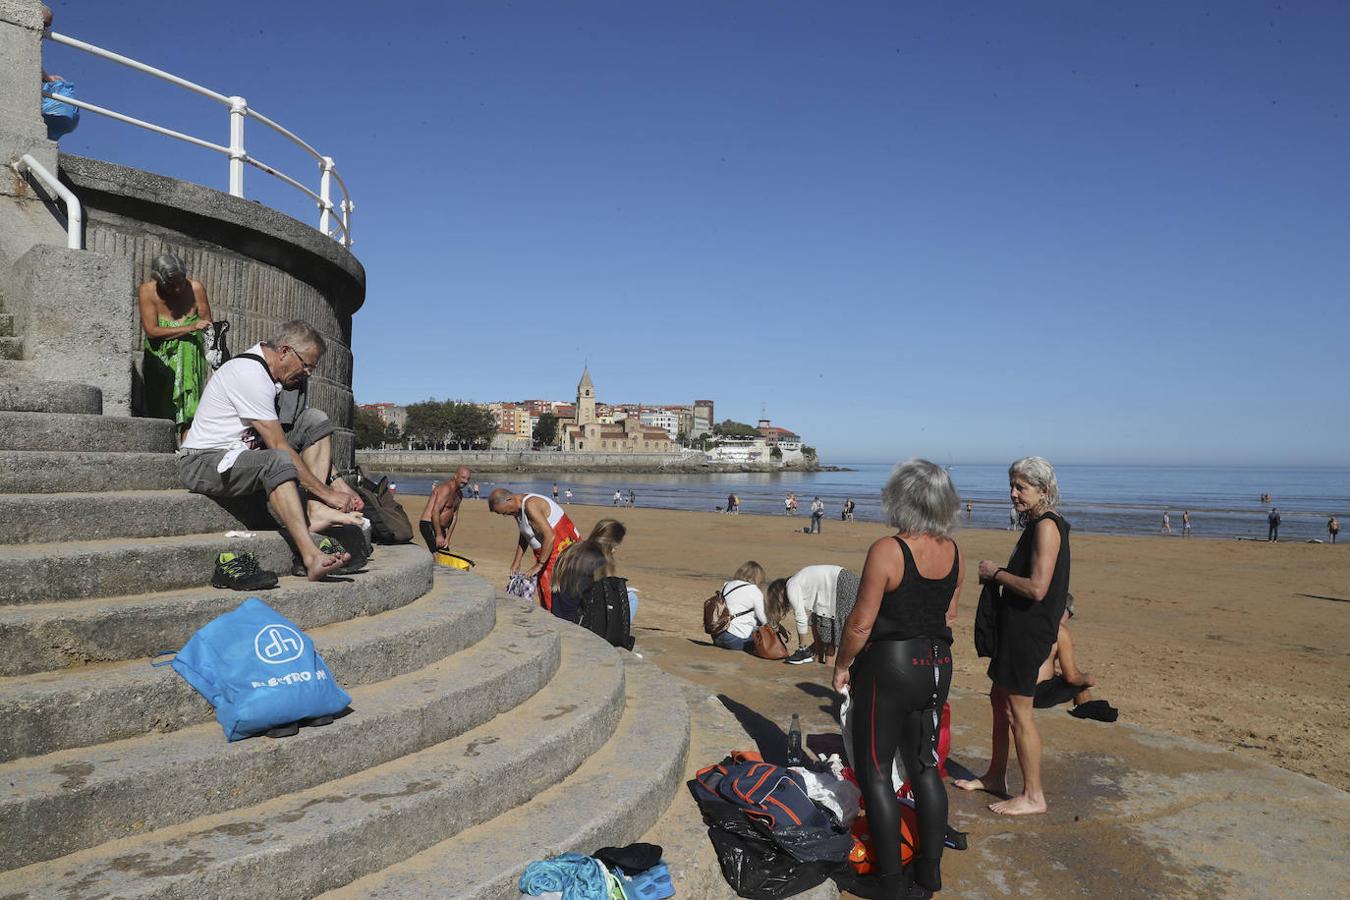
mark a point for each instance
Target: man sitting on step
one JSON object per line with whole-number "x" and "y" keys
{"x": 236, "y": 445}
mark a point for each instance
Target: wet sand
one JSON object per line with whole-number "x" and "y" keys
{"x": 1245, "y": 645}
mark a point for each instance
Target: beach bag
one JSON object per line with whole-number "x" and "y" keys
{"x": 716, "y": 617}
{"x": 388, "y": 522}
{"x": 258, "y": 670}
{"x": 604, "y": 610}
{"x": 61, "y": 118}
{"x": 521, "y": 586}
{"x": 217, "y": 352}
{"x": 770, "y": 642}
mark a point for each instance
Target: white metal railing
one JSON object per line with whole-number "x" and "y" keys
{"x": 334, "y": 219}
{"x": 74, "y": 211}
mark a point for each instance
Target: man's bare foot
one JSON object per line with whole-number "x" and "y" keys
{"x": 1021, "y": 805}
{"x": 322, "y": 564}
{"x": 997, "y": 786}
{"x": 323, "y": 517}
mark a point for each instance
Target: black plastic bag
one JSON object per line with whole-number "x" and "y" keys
{"x": 760, "y": 870}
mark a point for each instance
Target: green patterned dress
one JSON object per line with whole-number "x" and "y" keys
{"x": 175, "y": 372}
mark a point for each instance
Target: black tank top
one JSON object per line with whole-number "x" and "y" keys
{"x": 917, "y": 608}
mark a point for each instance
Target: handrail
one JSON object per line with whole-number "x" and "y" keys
{"x": 74, "y": 211}
{"x": 239, "y": 110}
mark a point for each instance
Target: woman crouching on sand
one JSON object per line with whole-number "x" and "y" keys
{"x": 895, "y": 658}
{"x": 1032, "y": 591}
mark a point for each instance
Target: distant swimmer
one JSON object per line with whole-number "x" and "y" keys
{"x": 970, "y": 511}
{"x": 1186, "y": 523}
{"x": 555, "y": 490}
{"x": 1333, "y": 528}
{"x": 1273, "y": 524}
{"x": 1166, "y": 523}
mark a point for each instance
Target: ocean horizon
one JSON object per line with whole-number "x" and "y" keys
{"x": 1224, "y": 501}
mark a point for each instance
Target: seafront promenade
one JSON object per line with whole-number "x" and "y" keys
{"x": 441, "y": 461}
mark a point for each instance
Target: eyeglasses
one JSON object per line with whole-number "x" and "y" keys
{"x": 309, "y": 367}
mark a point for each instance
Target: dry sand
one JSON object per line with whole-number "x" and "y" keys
{"x": 1240, "y": 644}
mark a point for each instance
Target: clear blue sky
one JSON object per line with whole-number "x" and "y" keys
{"x": 1100, "y": 232}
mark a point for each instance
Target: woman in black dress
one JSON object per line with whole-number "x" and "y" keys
{"x": 895, "y": 659}
{"x": 1033, "y": 589}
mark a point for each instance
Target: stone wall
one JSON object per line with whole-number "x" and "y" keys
{"x": 259, "y": 267}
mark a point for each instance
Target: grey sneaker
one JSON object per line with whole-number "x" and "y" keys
{"x": 803, "y": 655}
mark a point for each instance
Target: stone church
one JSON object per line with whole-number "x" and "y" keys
{"x": 586, "y": 433}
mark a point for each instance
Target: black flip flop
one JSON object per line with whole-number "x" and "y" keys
{"x": 1098, "y": 710}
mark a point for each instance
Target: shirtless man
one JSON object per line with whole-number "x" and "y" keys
{"x": 442, "y": 510}
{"x": 544, "y": 528}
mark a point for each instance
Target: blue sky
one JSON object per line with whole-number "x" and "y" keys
{"x": 1099, "y": 232}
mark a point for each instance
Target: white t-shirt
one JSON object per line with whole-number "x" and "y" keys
{"x": 239, "y": 393}
{"x": 812, "y": 591}
{"x": 743, "y": 597}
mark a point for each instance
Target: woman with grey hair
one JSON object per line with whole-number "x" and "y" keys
{"x": 895, "y": 661}
{"x": 174, "y": 313}
{"x": 1033, "y": 589}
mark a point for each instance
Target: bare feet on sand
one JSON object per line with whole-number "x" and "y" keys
{"x": 996, "y": 786}
{"x": 1021, "y": 805}
{"x": 321, "y": 564}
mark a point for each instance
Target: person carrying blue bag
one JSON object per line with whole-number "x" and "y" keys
{"x": 61, "y": 118}
{"x": 260, "y": 672}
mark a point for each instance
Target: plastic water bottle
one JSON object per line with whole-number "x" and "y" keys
{"x": 794, "y": 741}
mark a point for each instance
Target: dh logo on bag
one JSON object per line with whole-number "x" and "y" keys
{"x": 278, "y": 644}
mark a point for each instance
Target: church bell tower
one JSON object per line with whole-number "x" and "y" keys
{"x": 585, "y": 398}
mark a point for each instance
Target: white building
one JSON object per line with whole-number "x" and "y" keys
{"x": 662, "y": 418}
{"x": 741, "y": 450}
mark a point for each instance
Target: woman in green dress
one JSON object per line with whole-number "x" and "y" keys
{"x": 174, "y": 313}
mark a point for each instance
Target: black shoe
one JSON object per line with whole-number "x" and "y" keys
{"x": 241, "y": 572}
{"x": 803, "y": 655}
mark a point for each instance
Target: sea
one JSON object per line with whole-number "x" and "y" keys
{"x": 1224, "y": 502}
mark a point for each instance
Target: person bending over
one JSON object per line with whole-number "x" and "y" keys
{"x": 744, "y": 595}
{"x": 236, "y": 445}
{"x": 810, "y": 596}
{"x": 442, "y": 510}
{"x": 1033, "y": 591}
{"x": 544, "y": 528}
{"x": 895, "y": 660}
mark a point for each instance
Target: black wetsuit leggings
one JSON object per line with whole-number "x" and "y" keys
{"x": 898, "y": 689}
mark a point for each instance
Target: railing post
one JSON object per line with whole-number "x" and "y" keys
{"x": 325, "y": 198}
{"x": 238, "y": 110}
{"x": 347, "y": 207}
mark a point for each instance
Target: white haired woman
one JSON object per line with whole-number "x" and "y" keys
{"x": 895, "y": 658}
{"x": 1033, "y": 589}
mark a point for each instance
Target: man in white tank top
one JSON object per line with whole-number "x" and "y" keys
{"x": 544, "y": 528}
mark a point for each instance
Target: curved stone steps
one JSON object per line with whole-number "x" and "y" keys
{"x": 326, "y": 836}
{"x": 75, "y": 799}
{"x": 70, "y": 570}
{"x": 613, "y": 798}
{"x": 48, "y": 636}
{"x": 50, "y": 397}
{"x": 60, "y": 517}
{"x": 89, "y": 433}
{"x": 51, "y": 471}
{"x": 53, "y": 711}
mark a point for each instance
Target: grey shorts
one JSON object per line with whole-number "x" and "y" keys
{"x": 254, "y": 470}
{"x": 825, "y": 628}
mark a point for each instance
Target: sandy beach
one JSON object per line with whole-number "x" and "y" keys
{"x": 1241, "y": 644}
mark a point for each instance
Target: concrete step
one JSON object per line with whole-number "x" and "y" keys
{"x": 91, "y": 434}
{"x": 328, "y": 835}
{"x": 48, "y": 636}
{"x": 49, "y": 397}
{"x": 608, "y": 802}
{"x": 57, "y": 517}
{"x": 156, "y": 781}
{"x": 52, "y": 711}
{"x": 11, "y": 348}
{"x": 50, "y": 471}
{"x": 6, "y": 325}
{"x": 39, "y": 573}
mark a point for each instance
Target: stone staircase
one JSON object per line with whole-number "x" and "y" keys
{"x": 484, "y": 733}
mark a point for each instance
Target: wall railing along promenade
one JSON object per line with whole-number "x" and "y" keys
{"x": 525, "y": 461}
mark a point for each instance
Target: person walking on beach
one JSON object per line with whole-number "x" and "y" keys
{"x": 617, "y": 496}
{"x": 567, "y": 495}
{"x": 895, "y": 662}
{"x": 555, "y": 491}
{"x": 1333, "y": 528}
{"x": 1166, "y": 523}
{"x": 632, "y": 497}
{"x": 787, "y": 505}
{"x": 849, "y": 506}
{"x": 1273, "y": 524}
{"x": 441, "y": 513}
{"x": 793, "y": 507}
{"x": 1186, "y": 523}
{"x": 817, "y": 514}
{"x": 1029, "y": 603}
{"x": 970, "y": 511}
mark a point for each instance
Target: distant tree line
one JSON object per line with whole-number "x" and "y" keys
{"x": 431, "y": 425}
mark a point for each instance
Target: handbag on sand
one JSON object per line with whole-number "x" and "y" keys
{"x": 770, "y": 642}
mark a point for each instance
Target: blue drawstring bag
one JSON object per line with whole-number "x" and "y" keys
{"x": 61, "y": 118}
{"x": 258, "y": 670}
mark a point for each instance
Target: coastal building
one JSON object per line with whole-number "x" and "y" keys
{"x": 741, "y": 451}
{"x": 778, "y": 437}
{"x": 703, "y": 419}
{"x": 583, "y": 430}
{"x": 662, "y": 418}
{"x": 389, "y": 413}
